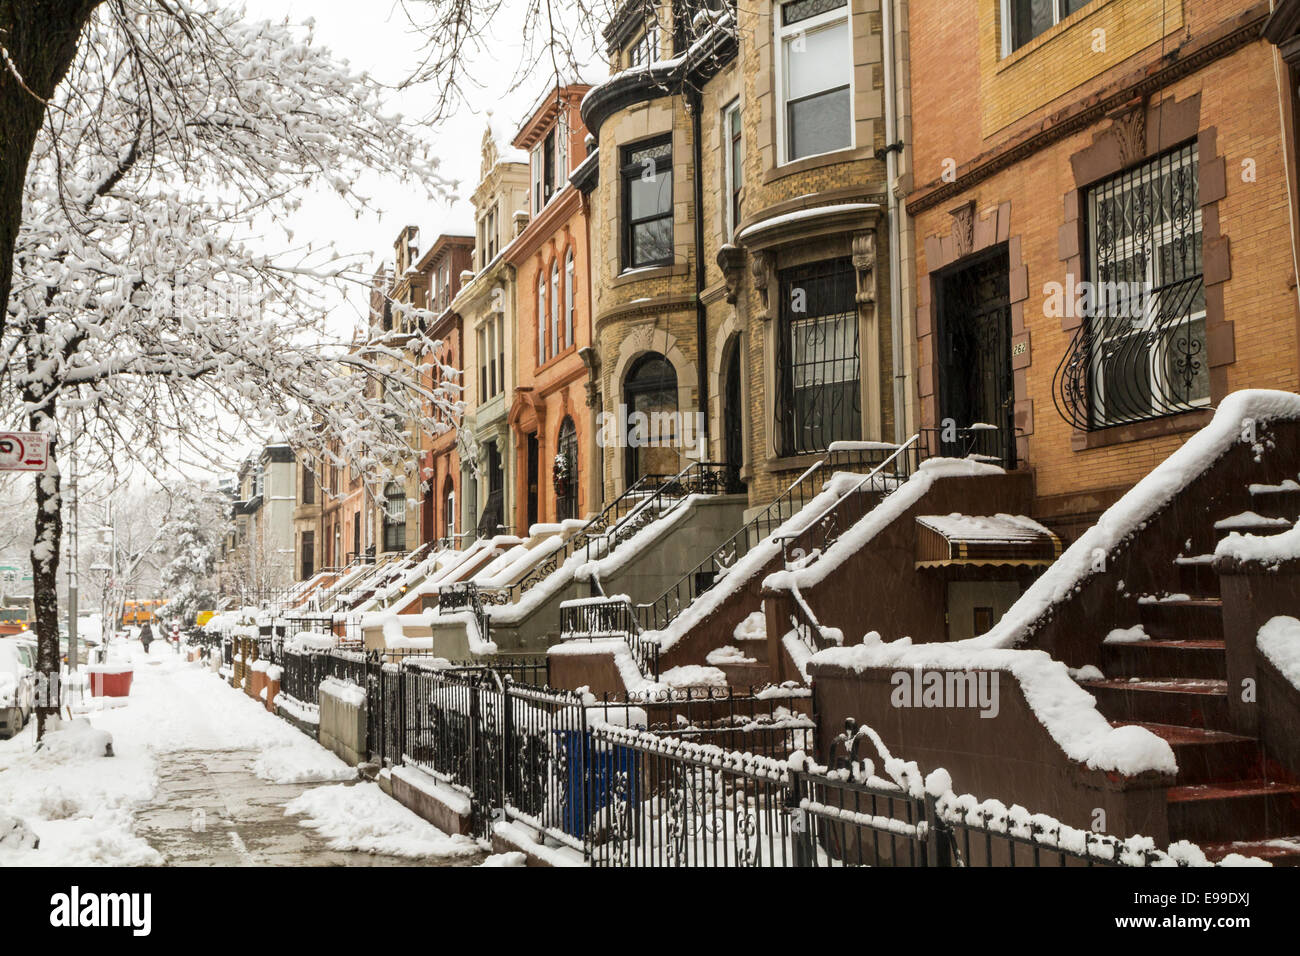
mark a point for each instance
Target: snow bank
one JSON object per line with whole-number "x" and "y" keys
{"x": 1279, "y": 640}
{"x": 1066, "y": 711}
{"x": 363, "y": 818}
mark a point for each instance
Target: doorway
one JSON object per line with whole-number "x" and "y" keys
{"x": 976, "y": 386}
{"x": 733, "y": 431}
{"x": 534, "y": 467}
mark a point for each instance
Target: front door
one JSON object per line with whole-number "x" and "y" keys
{"x": 976, "y": 392}
{"x": 534, "y": 464}
{"x": 732, "y": 429}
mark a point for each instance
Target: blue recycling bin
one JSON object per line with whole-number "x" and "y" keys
{"x": 591, "y": 778}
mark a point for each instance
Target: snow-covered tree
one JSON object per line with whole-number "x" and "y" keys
{"x": 143, "y": 321}
{"x": 192, "y": 541}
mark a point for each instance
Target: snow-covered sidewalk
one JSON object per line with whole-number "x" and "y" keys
{"x": 201, "y": 774}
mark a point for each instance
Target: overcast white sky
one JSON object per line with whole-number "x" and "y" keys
{"x": 377, "y": 37}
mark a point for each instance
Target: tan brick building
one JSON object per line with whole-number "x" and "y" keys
{"x": 738, "y": 210}
{"x": 1103, "y": 230}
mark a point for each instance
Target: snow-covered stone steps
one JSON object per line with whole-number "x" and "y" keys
{"x": 1196, "y": 574}
{"x": 1222, "y": 811}
{"x": 1277, "y": 501}
{"x": 1280, "y": 851}
{"x": 1182, "y": 617}
{"x": 1187, "y": 702}
{"x": 1206, "y": 756}
{"x": 741, "y": 676}
{"x": 1165, "y": 658}
{"x": 1251, "y": 522}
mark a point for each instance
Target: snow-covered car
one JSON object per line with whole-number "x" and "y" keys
{"x": 17, "y": 685}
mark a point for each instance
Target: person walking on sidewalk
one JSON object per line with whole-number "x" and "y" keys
{"x": 146, "y": 636}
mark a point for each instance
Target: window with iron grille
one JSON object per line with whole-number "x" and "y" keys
{"x": 818, "y": 368}
{"x": 647, "y": 174}
{"x": 1140, "y": 352}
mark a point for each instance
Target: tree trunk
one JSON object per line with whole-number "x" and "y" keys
{"x": 46, "y": 547}
{"x": 40, "y": 37}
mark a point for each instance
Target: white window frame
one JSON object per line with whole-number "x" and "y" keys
{"x": 555, "y": 307}
{"x": 569, "y": 279}
{"x": 561, "y": 153}
{"x": 811, "y": 25}
{"x": 729, "y": 172}
{"x": 541, "y": 318}
{"x": 538, "y": 200}
{"x": 1058, "y": 14}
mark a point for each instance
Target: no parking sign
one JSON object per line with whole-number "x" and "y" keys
{"x": 24, "y": 451}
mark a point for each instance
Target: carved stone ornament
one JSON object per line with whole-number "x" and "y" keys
{"x": 864, "y": 264}
{"x": 1130, "y": 131}
{"x": 963, "y": 229}
{"x": 760, "y": 267}
{"x": 731, "y": 260}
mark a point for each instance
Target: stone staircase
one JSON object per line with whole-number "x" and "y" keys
{"x": 1228, "y": 797}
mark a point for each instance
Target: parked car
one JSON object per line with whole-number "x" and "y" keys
{"x": 17, "y": 685}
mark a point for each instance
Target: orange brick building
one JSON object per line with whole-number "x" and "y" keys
{"x": 1103, "y": 230}
{"x": 550, "y": 418}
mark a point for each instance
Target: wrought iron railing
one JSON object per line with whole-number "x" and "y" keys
{"x": 595, "y": 618}
{"x": 1140, "y": 350}
{"x": 652, "y": 497}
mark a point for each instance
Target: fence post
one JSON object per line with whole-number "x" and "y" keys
{"x": 506, "y": 756}
{"x": 938, "y": 835}
{"x": 800, "y": 837}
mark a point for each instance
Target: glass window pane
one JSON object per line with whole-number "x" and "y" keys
{"x": 651, "y": 195}
{"x": 817, "y": 61}
{"x": 652, "y": 241}
{"x": 819, "y": 124}
{"x": 1030, "y": 18}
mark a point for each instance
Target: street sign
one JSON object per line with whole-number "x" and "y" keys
{"x": 24, "y": 451}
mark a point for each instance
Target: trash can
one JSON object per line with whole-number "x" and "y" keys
{"x": 590, "y": 782}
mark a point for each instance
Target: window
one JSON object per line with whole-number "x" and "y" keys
{"x": 818, "y": 399}
{"x": 394, "y": 518}
{"x": 568, "y": 298}
{"x": 646, "y": 48}
{"x": 647, "y": 175}
{"x": 541, "y": 318}
{"x": 1022, "y": 20}
{"x": 308, "y": 495}
{"x": 561, "y": 135}
{"x": 499, "y": 370}
{"x": 536, "y": 166}
{"x": 555, "y": 308}
{"x": 1143, "y": 350}
{"x": 487, "y": 238}
{"x": 308, "y": 554}
{"x": 732, "y": 157}
{"x": 816, "y": 77}
{"x": 482, "y": 336}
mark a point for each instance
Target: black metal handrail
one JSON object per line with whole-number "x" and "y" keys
{"x": 649, "y": 499}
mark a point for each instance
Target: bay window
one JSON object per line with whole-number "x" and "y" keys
{"x": 647, "y": 184}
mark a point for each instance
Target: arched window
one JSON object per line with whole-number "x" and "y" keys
{"x": 568, "y": 298}
{"x": 541, "y": 318}
{"x": 394, "y": 517}
{"x": 650, "y": 391}
{"x": 565, "y": 471}
{"x": 555, "y": 308}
